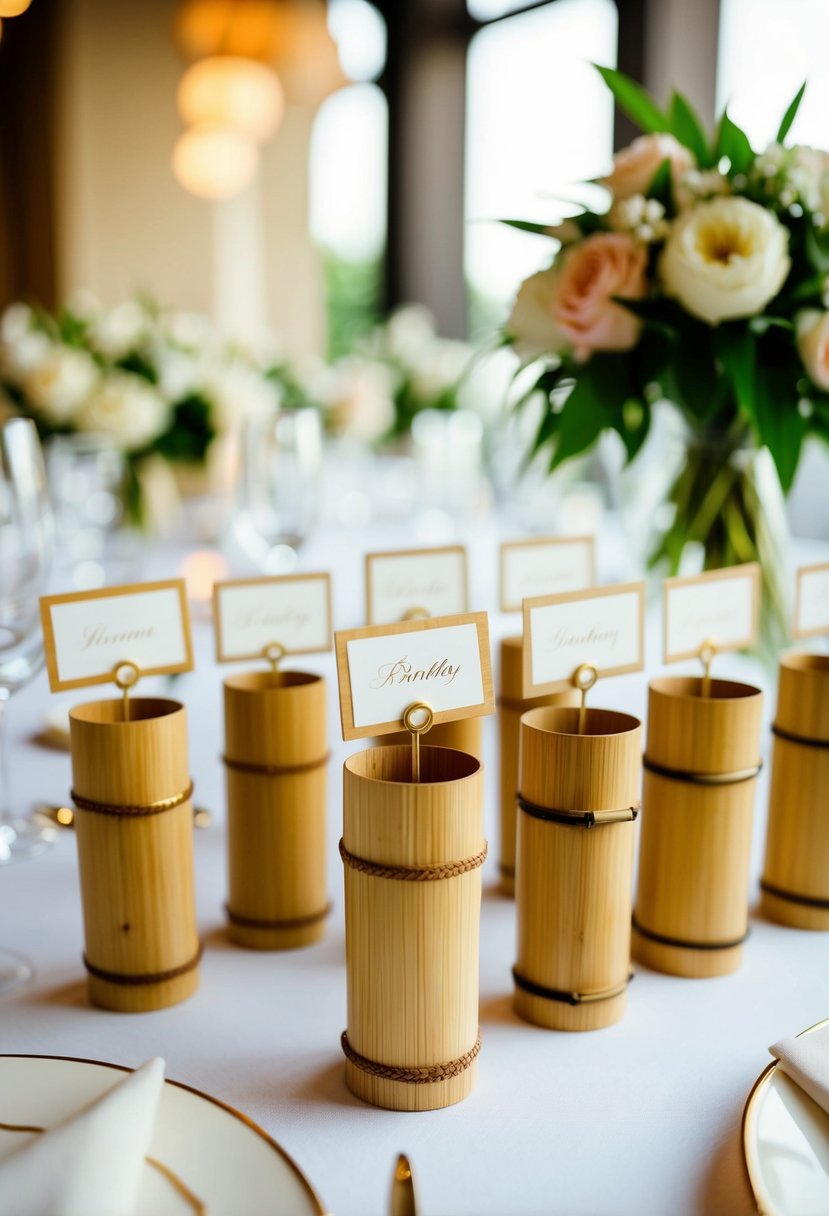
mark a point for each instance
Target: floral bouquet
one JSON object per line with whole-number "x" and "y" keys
{"x": 704, "y": 283}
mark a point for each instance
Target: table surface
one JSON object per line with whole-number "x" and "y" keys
{"x": 640, "y": 1118}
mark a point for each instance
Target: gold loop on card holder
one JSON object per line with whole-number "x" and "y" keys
{"x": 676, "y": 774}
{"x": 134, "y": 810}
{"x": 578, "y": 819}
{"x": 450, "y": 869}
{"x": 132, "y": 981}
{"x": 790, "y": 737}
{"x": 412, "y": 1076}
{"x": 274, "y": 770}
{"x": 569, "y": 998}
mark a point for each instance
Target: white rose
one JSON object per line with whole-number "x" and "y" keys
{"x": 58, "y": 385}
{"x": 24, "y": 355}
{"x": 16, "y": 321}
{"x": 119, "y": 331}
{"x": 238, "y": 392}
{"x": 725, "y": 258}
{"x": 531, "y": 325}
{"x": 359, "y": 397}
{"x": 127, "y": 408}
{"x": 191, "y": 330}
{"x": 441, "y": 369}
{"x": 409, "y": 332}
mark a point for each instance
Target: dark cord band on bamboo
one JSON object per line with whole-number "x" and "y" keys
{"x": 507, "y": 871}
{"x": 578, "y": 819}
{"x": 808, "y": 901}
{"x": 274, "y": 770}
{"x": 449, "y": 869}
{"x": 297, "y": 922}
{"x": 569, "y": 998}
{"x": 680, "y": 943}
{"x": 412, "y": 1076}
{"x": 157, "y": 977}
{"x": 137, "y": 809}
{"x": 790, "y": 737}
{"x": 676, "y": 774}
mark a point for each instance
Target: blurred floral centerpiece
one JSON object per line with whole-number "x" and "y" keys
{"x": 705, "y": 283}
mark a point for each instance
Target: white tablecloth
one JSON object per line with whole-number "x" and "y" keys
{"x": 641, "y": 1118}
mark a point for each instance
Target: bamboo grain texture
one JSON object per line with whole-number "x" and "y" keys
{"x": 136, "y": 873}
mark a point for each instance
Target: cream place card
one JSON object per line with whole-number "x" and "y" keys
{"x": 719, "y": 609}
{"x": 384, "y": 669}
{"x": 811, "y": 607}
{"x": 603, "y": 627}
{"x": 283, "y": 614}
{"x": 545, "y": 565}
{"x": 88, "y": 635}
{"x": 415, "y": 583}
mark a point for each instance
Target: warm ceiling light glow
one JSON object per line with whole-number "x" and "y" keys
{"x": 13, "y": 8}
{"x": 230, "y": 27}
{"x": 214, "y": 163}
{"x": 238, "y": 94}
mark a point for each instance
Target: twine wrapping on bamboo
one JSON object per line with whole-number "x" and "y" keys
{"x": 134, "y": 828}
{"x": 573, "y": 882}
{"x": 795, "y": 882}
{"x": 413, "y": 855}
{"x": 701, "y": 764}
{"x": 276, "y": 777}
{"x": 511, "y": 705}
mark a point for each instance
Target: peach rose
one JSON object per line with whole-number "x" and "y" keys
{"x": 591, "y": 273}
{"x": 634, "y": 168}
{"x": 813, "y": 344}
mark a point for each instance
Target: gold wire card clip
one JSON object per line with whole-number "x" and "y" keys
{"x": 706, "y": 654}
{"x": 584, "y": 677}
{"x": 126, "y": 675}
{"x": 417, "y": 719}
{"x": 417, "y": 613}
{"x": 274, "y": 653}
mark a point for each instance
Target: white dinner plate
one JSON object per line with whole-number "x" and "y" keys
{"x": 213, "y": 1158}
{"x": 786, "y": 1146}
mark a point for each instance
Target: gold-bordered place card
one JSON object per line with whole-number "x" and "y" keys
{"x": 384, "y": 669}
{"x": 602, "y": 627}
{"x": 811, "y": 605}
{"x": 716, "y": 612}
{"x": 88, "y": 635}
{"x": 283, "y": 614}
{"x": 412, "y": 584}
{"x": 545, "y": 565}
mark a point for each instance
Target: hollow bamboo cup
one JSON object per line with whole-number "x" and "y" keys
{"x": 134, "y": 828}
{"x": 276, "y": 766}
{"x": 465, "y": 735}
{"x": 795, "y": 883}
{"x": 577, "y": 803}
{"x": 511, "y": 705}
{"x": 412, "y": 854}
{"x": 701, "y": 765}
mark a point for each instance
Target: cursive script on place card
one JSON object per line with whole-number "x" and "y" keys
{"x": 720, "y": 608}
{"x": 603, "y": 626}
{"x": 383, "y": 669}
{"x": 291, "y": 611}
{"x": 545, "y": 565}
{"x": 87, "y": 634}
{"x": 811, "y": 608}
{"x": 415, "y": 582}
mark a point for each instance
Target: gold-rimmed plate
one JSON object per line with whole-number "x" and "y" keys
{"x": 212, "y": 1158}
{"x": 786, "y": 1146}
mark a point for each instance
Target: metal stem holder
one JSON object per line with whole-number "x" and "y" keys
{"x": 417, "y": 719}
{"x": 706, "y": 653}
{"x": 126, "y": 675}
{"x": 416, "y": 613}
{"x": 584, "y": 678}
{"x": 274, "y": 652}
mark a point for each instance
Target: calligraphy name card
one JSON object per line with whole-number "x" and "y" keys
{"x": 811, "y": 610}
{"x": 383, "y": 669}
{"x": 416, "y": 582}
{"x": 546, "y": 565}
{"x": 88, "y": 634}
{"x": 720, "y": 608}
{"x": 604, "y": 626}
{"x": 291, "y": 611}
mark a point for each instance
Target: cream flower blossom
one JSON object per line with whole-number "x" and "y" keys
{"x": 531, "y": 326}
{"x": 725, "y": 258}
{"x": 635, "y": 167}
{"x": 58, "y": 385}
{"x": 813, "y": 344}
{"x": 126, "y": 408}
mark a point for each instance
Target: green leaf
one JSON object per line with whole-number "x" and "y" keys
{"x": 634, "y": 100}
{"x": 762, "y": 325}
{"x": 633, "y": 426}
{"x": 686, "y": 126}
{"x": 816, "y": 248}
{"x": 594, "y": 404}
{"x": 789, "y": 116}
{"x": 661, "y": 187}
{"x": 732, "y": 142}
{"x": 527, "y": 226}
{"x": 736, "y": 350}
{"x": 778, "y": 421}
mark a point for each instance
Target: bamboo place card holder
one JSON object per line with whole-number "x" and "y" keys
{"x": 412, "y": 848}
{"x": 132, "y": 791}
{"x": 275, "y": 758}
{"x": 795, "y": 883}
{"x": 701, "y": 764}
{"x": 578, "y": 797}
{"x": 539, "y": 565}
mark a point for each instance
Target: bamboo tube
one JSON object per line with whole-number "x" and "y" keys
{"x": 136, "y": 867}
{"x": 276, "y": 775}
{"x": 412, "y": 946}
{"x": 574, "y": 883}
{"x": 511, "y": 705}
{"x": 465, "y": 735}
{"x": 795, "y": 883}
{"x": 697, "y": 808}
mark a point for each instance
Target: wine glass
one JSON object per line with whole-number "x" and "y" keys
{"x": 278, "y": 490}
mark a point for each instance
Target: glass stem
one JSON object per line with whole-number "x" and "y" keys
{"x": 5, "y": 789}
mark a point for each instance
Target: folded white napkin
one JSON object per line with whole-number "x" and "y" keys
{"x": 91, "y": 1164}
{"x": 806, "y": 1060}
